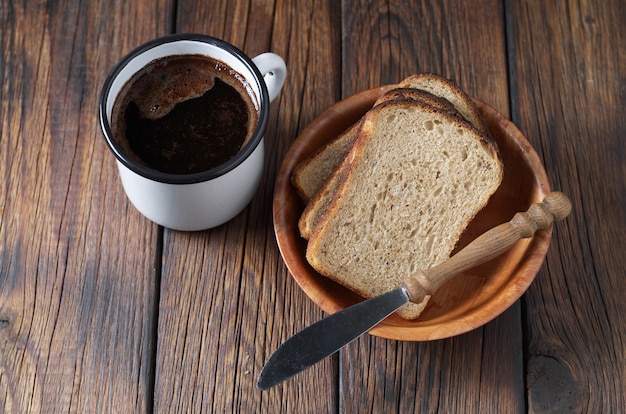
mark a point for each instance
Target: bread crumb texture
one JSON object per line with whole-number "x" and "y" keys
{"x": 417, "y": 177}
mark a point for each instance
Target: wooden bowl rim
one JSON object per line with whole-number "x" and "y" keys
{"x": 291, "y": 245}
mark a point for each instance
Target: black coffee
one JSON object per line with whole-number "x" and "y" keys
{"x": 184, "y": 114}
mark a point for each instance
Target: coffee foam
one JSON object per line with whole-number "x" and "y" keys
{"x": 157, "y": 89}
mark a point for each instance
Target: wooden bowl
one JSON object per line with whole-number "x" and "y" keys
{"x": 471, "y": 299}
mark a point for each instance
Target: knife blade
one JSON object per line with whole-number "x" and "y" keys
{"x": 327, "y": 336}
{"x": 316, "y": 344}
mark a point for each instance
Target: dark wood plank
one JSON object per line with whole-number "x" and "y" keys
{"x": 77, "y": 265}
{"x": 480, "y": 371}
{"x": 570, "y": 69}
{"x": 227, "y": 299}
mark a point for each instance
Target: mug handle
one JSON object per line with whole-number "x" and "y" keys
{"x": 274, "y": 72}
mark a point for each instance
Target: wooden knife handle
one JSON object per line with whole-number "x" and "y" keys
{"x": 555, "y": 206}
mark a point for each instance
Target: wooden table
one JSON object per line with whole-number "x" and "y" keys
{"x": 103, "y": 311}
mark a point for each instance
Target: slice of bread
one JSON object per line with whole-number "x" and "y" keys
{"x": 310, "y": 174}
{"x": 445, "y": 88}
{"x": 440, "y": 92}
{"x": 317, "y": 207}
{"x": 317, "y": 177}
{"x": 321, "y": 167}
{"x": 413, "y": 180}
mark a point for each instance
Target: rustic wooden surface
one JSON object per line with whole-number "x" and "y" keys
{"x": 103, "y": 311}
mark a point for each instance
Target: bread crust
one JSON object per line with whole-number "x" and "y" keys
{"x": 307, "y": 178}
{"x": 316, "y": 208}
{"x": 446, "y": 88}
{"x": 346, "y": 177}
{"x": 309, "y": 175}
{"x": 337, "y": 169}
{"x": 421, "y": 96}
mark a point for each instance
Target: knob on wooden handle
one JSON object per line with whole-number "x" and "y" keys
{"x": 554, "y": 207}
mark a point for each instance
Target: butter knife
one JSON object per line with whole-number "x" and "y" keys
{"x": 332, "y": 333}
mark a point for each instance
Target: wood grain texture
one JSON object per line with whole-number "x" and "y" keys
{"x": 227, "y": 300}
{"x": 77, "y": 267}
{"x": 383, "y": 43}
{"x": 570, "y": 98}
{"x": 102, "y": 311}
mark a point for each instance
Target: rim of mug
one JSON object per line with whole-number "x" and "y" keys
{"x": 207, "y": 175}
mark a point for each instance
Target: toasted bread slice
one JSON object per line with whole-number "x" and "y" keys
{"x": 414, "y": 179}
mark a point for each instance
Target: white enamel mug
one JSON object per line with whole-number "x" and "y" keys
{"x": 206, "y": 199}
